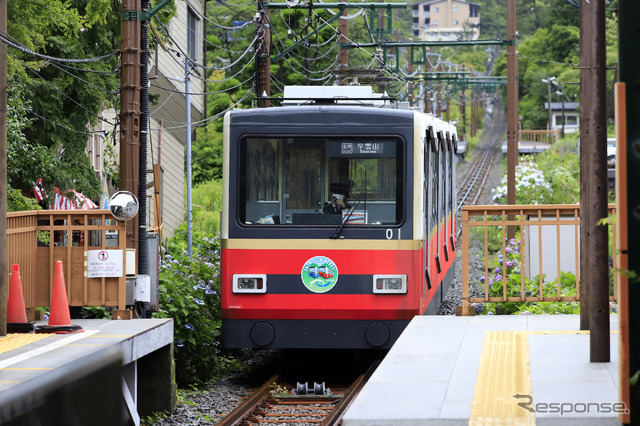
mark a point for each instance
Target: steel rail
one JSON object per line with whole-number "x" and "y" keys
{"x": 336, "y": 415}
{"x": 475, "y": 180}
{"x": 244, "y": 410}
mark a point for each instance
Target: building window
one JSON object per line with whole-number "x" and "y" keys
{"x": 435, "y": 23}
{"x": 193, "y": 26}
{"x": 436, "y": 9}
{"x": 456, "y": 22}
{"x": 455, "y": 8}
{"x": 557, "y": 121}
{"x": 473, "y": 12}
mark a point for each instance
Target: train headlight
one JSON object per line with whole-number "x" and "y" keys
{"x": 249, "y": 283}
{"x": 390, "y": 284}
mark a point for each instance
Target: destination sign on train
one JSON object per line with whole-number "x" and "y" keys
{"x": 365, "y": 147}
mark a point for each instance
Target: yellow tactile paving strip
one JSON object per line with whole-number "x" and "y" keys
{"x": 504, "y": 371}
{"x": 15, "y": 340}
{"x": 567, "y": 332}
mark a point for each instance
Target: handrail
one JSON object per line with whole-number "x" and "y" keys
{"x": 533, "y": 221}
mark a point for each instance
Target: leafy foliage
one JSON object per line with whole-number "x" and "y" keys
{"x": 561, "y": 166}
{"x": 64, "y": 98}
{"x": 16, "y": 202}
{"x": 506, "y": 278}
{"x": 207, "y": 205}
{"x": 190, "y": 294}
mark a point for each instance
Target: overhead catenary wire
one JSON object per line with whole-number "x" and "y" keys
{"x": 207, "y": 120}
{"x": 31, "y": 111}
{"x": 61, "y": 92}
{"x": 10, "y": 41}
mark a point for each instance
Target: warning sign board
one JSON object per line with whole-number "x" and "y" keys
{"x": 104, "y": 263}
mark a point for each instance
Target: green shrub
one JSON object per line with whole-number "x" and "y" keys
{"x": 207, "y": 204}
{"x": 509, "y": 271}
{"x": 190, "y": 294}
{"x": 16, "y": 202}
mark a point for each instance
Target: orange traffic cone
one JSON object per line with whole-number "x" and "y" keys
{"x": 16, "y": 312}
{"x": 59, "y": 316}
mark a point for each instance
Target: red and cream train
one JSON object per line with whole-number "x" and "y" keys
{"x": 338, "y": 222}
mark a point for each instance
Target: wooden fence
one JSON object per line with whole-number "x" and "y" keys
{"x": 36, "y": 240}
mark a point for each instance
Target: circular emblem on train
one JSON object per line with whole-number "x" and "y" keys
{"x": 319, "y": 274}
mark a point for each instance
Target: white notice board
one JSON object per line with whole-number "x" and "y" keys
{"x": 104, "y": 263}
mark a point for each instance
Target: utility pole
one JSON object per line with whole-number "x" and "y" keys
{"x": 463, "y": 114}
{"x": 343, "y": 28}
{"x": 427, "y": 68}
{"x": 474, "y": 113}
{"x": 130, "y": 108}
{"x": 134, "y": 110}
{"x": 594, "y": 241}
{"x": 3, "y": 174}
{"x": 512, "y": 110}
{"x": 263, "y": 59}
{"x": 410, "y": 71}
{"x": 448, "y": 103}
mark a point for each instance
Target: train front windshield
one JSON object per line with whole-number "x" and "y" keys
{"x": 320, "y": 181}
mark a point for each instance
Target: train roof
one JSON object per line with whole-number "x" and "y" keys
{"x": 309, "y": 115}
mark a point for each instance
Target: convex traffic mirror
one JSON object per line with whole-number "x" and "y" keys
{"x": 123, "y": 205}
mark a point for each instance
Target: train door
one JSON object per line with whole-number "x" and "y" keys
{"x": 440, "y": 192}
{"x": 451, "y": 207}
{"x": 432, "y": 200}
{"x": 425, "y": 212}
{"x": 302, "y": 184}
{"x": 446, "y": 198}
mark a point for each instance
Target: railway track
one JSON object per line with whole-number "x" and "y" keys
{"x": 272, "y": 403}
{"x": 473, "y": 184}
{"x": 471, "y": 187}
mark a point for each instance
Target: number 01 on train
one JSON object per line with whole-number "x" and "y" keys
{"x": 338, "y": 222}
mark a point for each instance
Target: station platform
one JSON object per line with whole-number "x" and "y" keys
{"x": 491, "y": 370}
{"x": 92, "y": 375}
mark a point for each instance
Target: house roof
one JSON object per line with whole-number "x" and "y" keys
{"x": 557, "y": 106}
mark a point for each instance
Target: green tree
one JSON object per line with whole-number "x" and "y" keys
{"x": 63, "y": 97}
